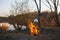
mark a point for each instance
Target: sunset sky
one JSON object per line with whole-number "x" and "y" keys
{"x": 5, "y": 6}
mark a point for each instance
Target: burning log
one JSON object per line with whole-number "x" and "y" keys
{"x": 33, "y": 28}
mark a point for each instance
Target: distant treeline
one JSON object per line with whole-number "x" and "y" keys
{"x": 46, "y": 19}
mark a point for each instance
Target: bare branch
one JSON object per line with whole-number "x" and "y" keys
{"x": 49, "y": 4}
{"x": 57, "y": 3}
{"x": 36, "y": 4}
{"x": 20, "y": 7}
{"x": 46, "y": 5}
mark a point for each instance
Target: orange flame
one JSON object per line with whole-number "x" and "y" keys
{"x": 33, "y": 28}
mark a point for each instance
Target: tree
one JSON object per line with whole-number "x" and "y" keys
{"x": 19, "y": 7}
{"x": 53, "y": 6}
{"x": 39, "y": 11}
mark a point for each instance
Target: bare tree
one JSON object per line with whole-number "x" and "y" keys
{"x": 39, "y": 10}
{"x": 53, "y": 6}
{"x": 19, "y": 7}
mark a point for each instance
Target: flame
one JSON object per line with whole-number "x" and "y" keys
{"x": 33, "y": 28}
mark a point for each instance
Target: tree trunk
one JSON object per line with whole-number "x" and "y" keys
{"x": 39, "y": 9}
{"x": 56, "y": 20}
{"x": 39, "y": 13}
{"x": 15, "y": 27}
{"x": 56, "y": 15}
{"x": 39, "y": 19}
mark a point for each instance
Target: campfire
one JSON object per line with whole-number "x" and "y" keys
{"x": 33, "y": 28}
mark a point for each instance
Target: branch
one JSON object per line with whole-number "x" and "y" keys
{"x": 45, "y": 4}
{"x": 57, "y": 3}
{"x": 36, "y": 4}
{"x": 49, "y": 5}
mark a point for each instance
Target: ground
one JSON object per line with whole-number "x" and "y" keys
{"x": 46, "y": 34}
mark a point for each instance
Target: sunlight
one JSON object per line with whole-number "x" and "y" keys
{"x": 4, "y": 26}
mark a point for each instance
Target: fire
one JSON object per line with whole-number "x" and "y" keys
{"x": 33, "y": 28}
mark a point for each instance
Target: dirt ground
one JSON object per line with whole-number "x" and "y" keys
{"x": 45, "y": 34}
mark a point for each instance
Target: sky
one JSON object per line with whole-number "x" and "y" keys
{"x": 5, "y": 6}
